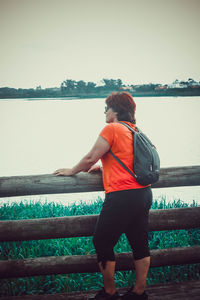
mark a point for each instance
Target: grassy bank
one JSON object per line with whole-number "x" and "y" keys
{"x": 81, "y": 246}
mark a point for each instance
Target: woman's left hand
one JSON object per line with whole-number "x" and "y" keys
{"x": 63, "y": 172}
{"x": 94, "y": 169}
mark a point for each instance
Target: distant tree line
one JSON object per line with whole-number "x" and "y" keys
{"x": 82, "y": 89}
{"x": 72, "y": 87}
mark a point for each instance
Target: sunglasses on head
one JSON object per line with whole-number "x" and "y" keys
{"x": 106, "y": 108}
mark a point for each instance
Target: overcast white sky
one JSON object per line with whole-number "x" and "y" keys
{"x": 44, "y": 42}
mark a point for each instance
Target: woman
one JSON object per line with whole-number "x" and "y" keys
{"x": 127, "y": 203}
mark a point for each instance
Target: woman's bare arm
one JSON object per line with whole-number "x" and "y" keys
{"x": 98, "y": 150}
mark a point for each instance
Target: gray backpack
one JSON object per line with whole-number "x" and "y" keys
{"x": 146, "y": 163}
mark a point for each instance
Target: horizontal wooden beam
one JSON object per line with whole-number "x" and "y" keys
{"x": 88, "y": 263}
{"x": 76, "y": 226}
{"x": 84, "y": 182}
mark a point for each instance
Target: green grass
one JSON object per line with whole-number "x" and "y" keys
{"x": 84, "y": 246}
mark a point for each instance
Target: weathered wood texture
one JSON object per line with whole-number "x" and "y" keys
{"x": 88, "y": 263}
{"x": 84, "y": 182}
{"x": 76, "y": 226}
{"x": 170, "y": 291}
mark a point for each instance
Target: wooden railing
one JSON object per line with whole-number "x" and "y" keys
{"x": 76, "y": 226}
{"x": 84, "y": 182}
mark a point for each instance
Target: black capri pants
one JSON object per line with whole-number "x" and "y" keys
{"x": 126, "y": 212}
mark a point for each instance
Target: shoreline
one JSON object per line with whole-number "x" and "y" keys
{"x": 94, "y": 96}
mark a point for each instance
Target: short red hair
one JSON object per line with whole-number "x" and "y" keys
{"x": 124, "y": 105}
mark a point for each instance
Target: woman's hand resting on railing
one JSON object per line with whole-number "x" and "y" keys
{"x": 69, "y": 172}
{"x": 63, "y": 172}
{"x": 94, "y": 169}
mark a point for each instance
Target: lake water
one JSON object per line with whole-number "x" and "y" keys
{"x": 40, "y": 136}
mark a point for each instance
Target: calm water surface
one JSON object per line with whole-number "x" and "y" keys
{"x": 40, "y": 136}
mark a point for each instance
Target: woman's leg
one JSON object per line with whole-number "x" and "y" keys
{"x": 108, "y": 275}
{"x": 141, "y": 268}
{"x": 107, "y": 232}
{"x": 137, "y": 235}
{"x": 106, "y": 257}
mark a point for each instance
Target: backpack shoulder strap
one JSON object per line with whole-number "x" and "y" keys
{"x": 122, "y": 164}
{"x": 130, "y": 128}
{"x": 117, "y": 159}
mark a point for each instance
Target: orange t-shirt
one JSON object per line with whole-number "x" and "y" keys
{"x": 115, "y": 177}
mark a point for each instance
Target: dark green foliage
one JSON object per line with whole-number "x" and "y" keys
{"x": 82, "y": 89}
{"x": 83, "y": 246}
